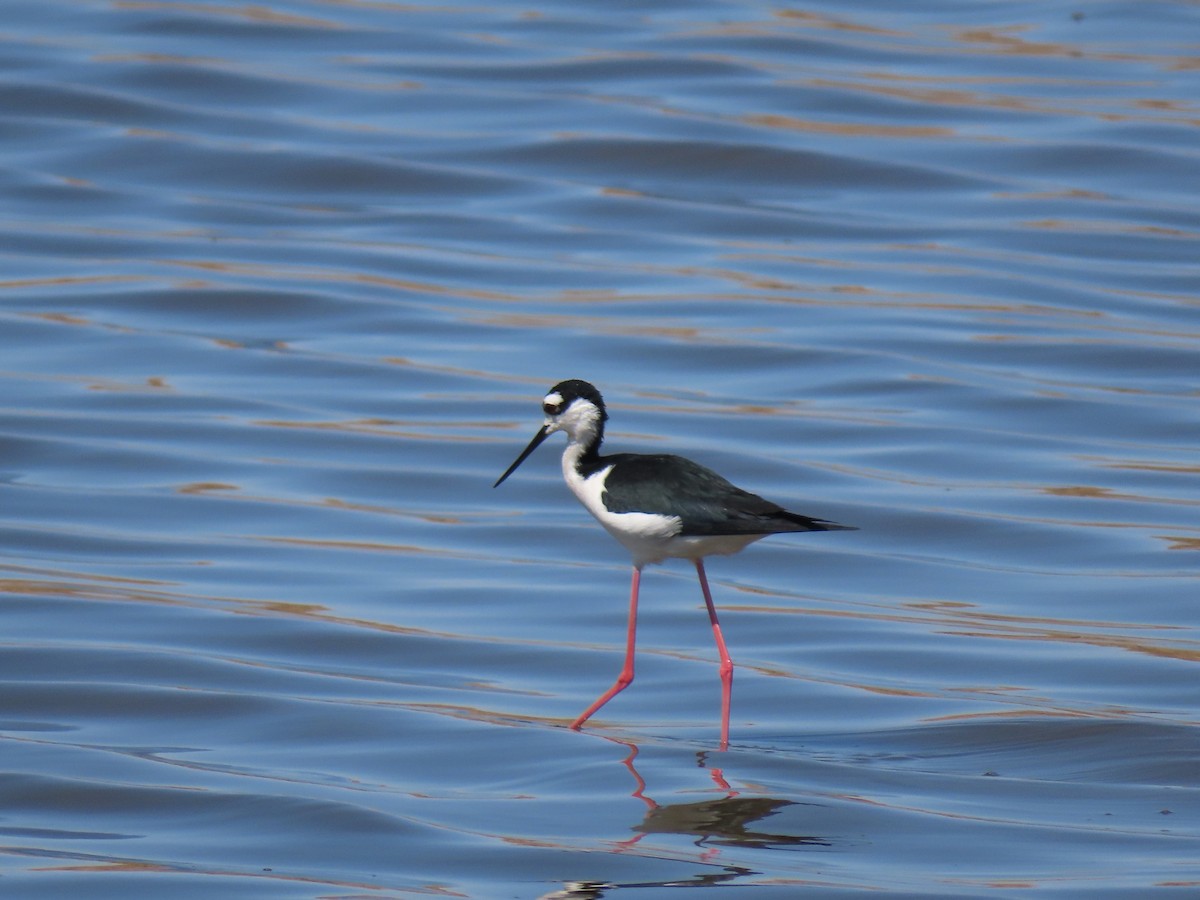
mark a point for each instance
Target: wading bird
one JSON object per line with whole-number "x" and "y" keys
{"x": 660, "y": 507}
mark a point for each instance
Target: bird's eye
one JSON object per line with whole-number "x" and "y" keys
{"x": 551, "y": 409}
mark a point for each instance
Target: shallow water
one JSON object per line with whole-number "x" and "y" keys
{"x": 281, "y": 288}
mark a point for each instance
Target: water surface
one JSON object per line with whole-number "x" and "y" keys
{"x": 281, "y": 288}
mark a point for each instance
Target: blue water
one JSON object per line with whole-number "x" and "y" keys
{"x": 282, "y": 286}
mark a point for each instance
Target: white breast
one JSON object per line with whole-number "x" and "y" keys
{"x": 647, "y": 536}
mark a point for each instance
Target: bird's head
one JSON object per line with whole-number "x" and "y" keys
{"x": 573, "y": 406}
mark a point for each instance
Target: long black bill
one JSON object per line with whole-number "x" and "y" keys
{"x": 533, "y": 445}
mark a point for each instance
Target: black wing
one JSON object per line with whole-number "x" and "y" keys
{"x": 707, "y": 503}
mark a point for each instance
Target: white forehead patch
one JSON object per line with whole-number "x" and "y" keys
{"x": 552, "y": 403}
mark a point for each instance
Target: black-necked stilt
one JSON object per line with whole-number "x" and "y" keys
{"x": 660, "y": 507}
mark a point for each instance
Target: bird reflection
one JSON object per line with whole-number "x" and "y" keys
{"x": 724, "y": 821}
{"x": 721, "y": 821}
{"x": 595, "y": 890}
{"x": 578, "y": 890}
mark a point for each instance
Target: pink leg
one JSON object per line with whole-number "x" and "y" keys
{"x": 626, "y": 677}
{"x": 722, "y": 651}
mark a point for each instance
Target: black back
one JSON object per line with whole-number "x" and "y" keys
{"x": 707, "y": 503}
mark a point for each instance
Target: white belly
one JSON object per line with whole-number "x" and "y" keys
{"x": 649, "y": 537}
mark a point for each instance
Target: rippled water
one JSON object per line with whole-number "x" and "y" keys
{"x": 281, "y": 287}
